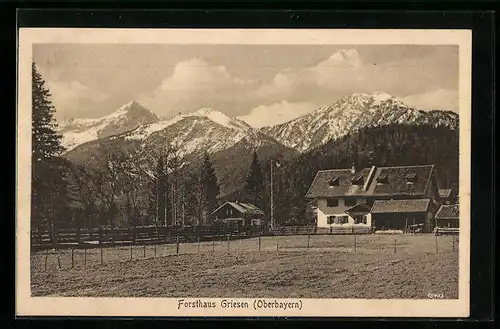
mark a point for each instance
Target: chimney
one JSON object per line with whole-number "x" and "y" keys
{"x": 369, "y": 178}
{"x": 353, "y": 169}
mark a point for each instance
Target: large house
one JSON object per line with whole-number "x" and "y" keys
{"x": 378, "y": 197}
{"x": 243, "y": 214}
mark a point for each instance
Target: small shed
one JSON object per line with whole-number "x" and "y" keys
{"x": 448, "y": 216}
{"x": 240, "y": 213}
{"x": 399, "y": 214}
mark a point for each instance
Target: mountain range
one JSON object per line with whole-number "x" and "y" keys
{"x": 212, "y": 131}
{"x": 231, "y": 141}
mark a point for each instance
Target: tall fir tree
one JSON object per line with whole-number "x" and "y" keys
{"x": 49, "y": 185}
{"x": 254, "y": 187}
{"x": 210, "y": 188}
{"x": 46, "y": 143}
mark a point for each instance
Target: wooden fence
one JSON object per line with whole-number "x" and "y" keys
{"x": 306, "y": 230}
{"x": 446, "y": 231}
{"x": 74, "y": 238}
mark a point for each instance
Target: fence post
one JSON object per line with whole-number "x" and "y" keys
{"x": 395, "y": 242}
{"x": 278, "y": 244}
{"x": 102, "y": 259}
{"x": 155, "y": 250}
{"x": 259, "y": 242}
{"x": 58, "y": 261}
{"x": 131, "y": 251}
{"x": 46, "y": 257}
{"x": 72, "y": 257}
{"x": 228, "y": 243}
{"x": 144, "y": 250}
{"x": 354, "y": 243}
{"x": 198, "y": 244}
{"x": 213, "y": 243}
{"x": 177, "y": 245}
{"x": 308, "y": 240}
{"x": 85, "y": 256}
{"x": 437, "y": 250}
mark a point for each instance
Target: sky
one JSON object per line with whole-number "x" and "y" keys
{"x": 263, "y": 84}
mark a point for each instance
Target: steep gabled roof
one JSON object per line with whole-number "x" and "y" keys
{"x": 448, "y": 212}
{"x": 399, "y": 206}
{"x": 358, "y": 208}
{"x": 403, "y": 180}
{"x": 386, "y": 181}
{"x": 320, "y": 186}
{"x": 243, "y": 208}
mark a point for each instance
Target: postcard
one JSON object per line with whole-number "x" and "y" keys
{"x": 243, "y": 172}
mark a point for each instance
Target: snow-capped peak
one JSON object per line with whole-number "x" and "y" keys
{"x": 134, "y": 109}
{"x": 220, "y": 118}
{"x": 127, "y": 117}
{"x": 381, "y": 96}
{"x": 127, "y": 106}
{"x": 235, "y": 125}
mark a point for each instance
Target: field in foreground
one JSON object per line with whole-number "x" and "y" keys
{"x": 330, "y": 268}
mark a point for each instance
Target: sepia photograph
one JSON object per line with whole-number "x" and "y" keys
{"x": 271, "y": 172}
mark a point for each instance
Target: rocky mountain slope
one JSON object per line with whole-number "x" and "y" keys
{"x": 230, "y": 143}
{"x": 128, "y": 117}
{"x": 350, "y": 114}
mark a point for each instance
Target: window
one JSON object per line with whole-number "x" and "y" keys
{"x": 360, "y": 219}
{"x": 342, "y": 219}
{"x": 411, "y": 178}
{"x": 334, "y": 181}
{"x": 330, "y": 220}
{"x": 332, "y": 202}
{"x": 357, "y": 180}
{"x": 349, "y": 202}
{"x": 336, "y": 220}
{"x": 382, "y": 178}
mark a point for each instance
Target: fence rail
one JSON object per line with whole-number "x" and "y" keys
{"x": 446, "y": 231}
{"x": 88, "y": 238}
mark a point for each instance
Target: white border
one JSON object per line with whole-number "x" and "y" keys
{"x": 27, "y": 305}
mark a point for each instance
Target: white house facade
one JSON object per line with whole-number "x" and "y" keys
{"x": 334, "y": 212}
{"x": 376, "y": 197}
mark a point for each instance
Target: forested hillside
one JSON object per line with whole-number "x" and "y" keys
{"x": 392, "y": 145}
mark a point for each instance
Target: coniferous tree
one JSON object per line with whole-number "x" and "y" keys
{"x": 158, "y": 193}
{"x": 49, "y": 185}
{"x": 210, "y": 187}
{"x": 46, "y": 143}
{"x": 254, "y": 187}
{"x": 193, "y": 197}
